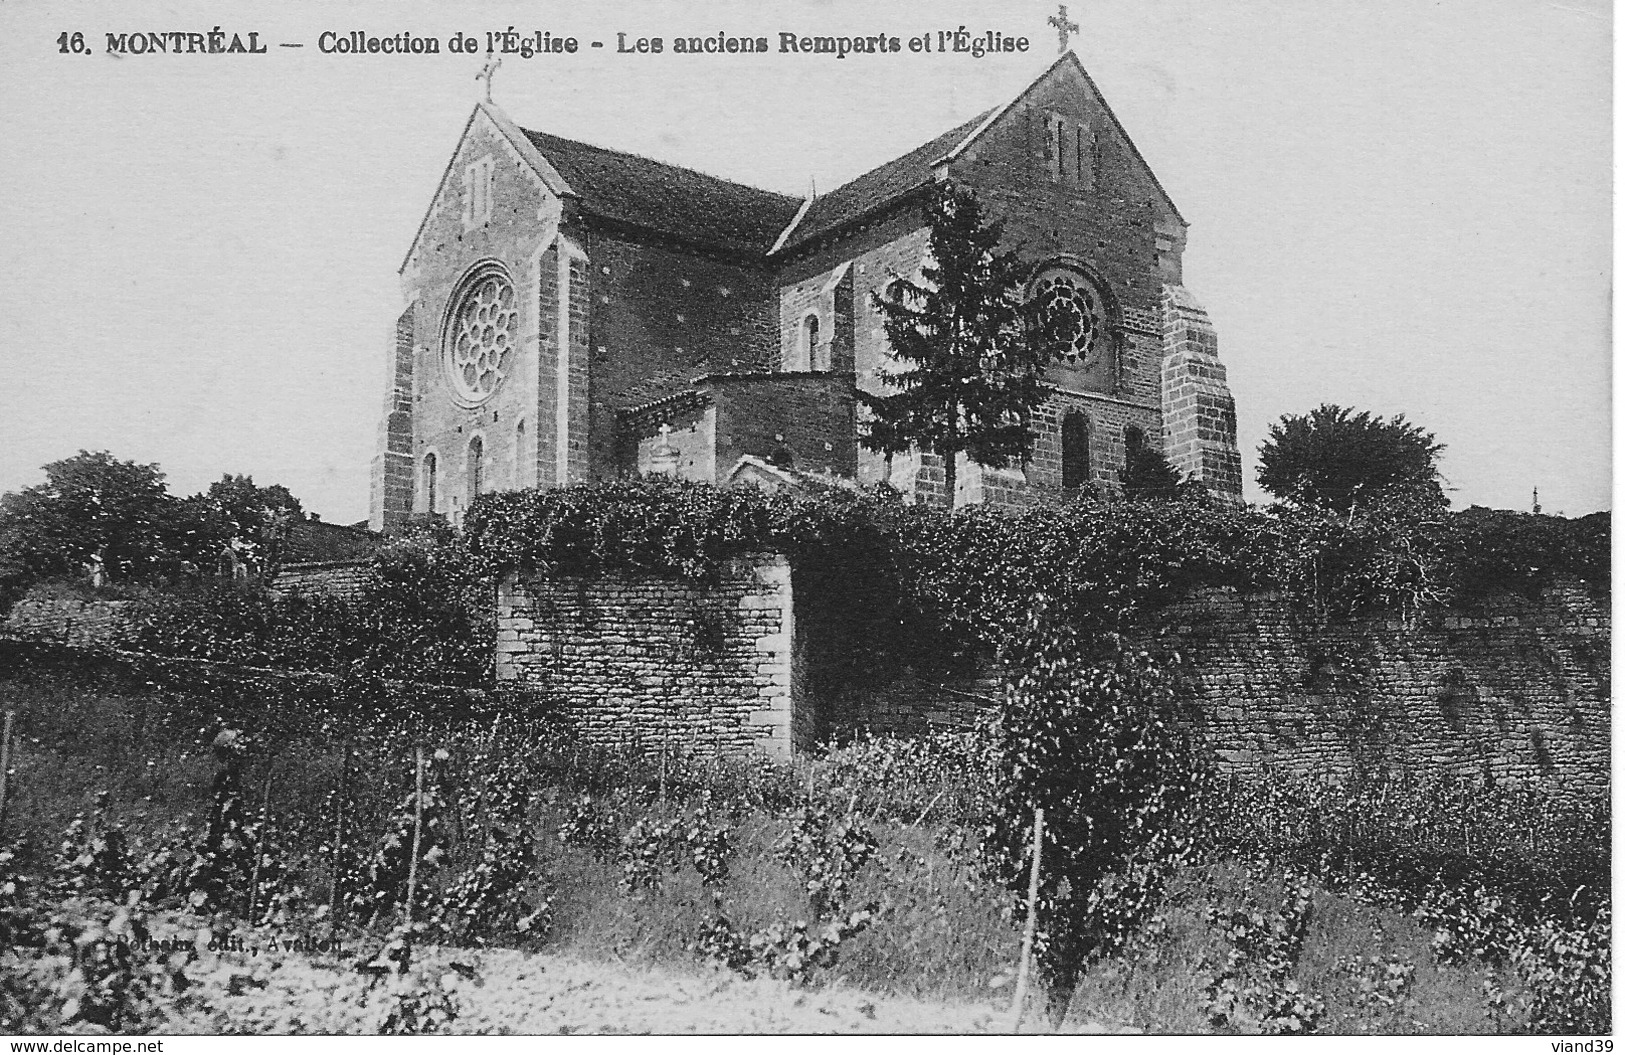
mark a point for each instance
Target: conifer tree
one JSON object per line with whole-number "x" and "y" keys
{"x": 970, "y": 355}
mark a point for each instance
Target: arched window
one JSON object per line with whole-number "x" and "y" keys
{"x": 430, "y": 484}
{"x": 813, "y": 354}
{"x": 476, "y": 468}
{"x": 1133, "y": 440}
{"x": 519, "y": 455}
{"x": 1075, "y": 468}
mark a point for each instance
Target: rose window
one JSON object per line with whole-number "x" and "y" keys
{"x": 480, "y": 336}
{"x": 1071, "y": 310}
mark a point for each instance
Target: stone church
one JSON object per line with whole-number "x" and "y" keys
{"x": 574, "y": 313}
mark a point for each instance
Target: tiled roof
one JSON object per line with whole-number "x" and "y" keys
{"x": 315, "y": 541}
{"x": 667, "y": 199}
{"x": 879, "y": 187}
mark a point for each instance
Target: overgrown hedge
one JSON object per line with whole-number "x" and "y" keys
{"x": 423, "y": 615}
{"x": 925, "y": 579}
{"x": 906, "y": 584}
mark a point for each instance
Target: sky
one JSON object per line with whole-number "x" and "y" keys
{"x": 1397, "y": 206}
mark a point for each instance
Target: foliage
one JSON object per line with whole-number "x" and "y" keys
{"x": 710, "y": 847}
{"x": 485, "y": 902}
{"x": 1254, "y": 989}
{"x": 1570, "y": 970}
{"x": 972, "y": 356}
{"x": 1498, "y": 875}
{"x": 945, "y": 776}
{"x": 96, "y": 511}
{"x": 919, "y": 919}
{"x": 648, "y": 850}
{"x": 100, "y": 967}
{"x": 1433, "y": 840}
{"x": 1088, "y": 742}
{"x": 589, "y": 829}
{"x": 420, "y": 617}
{"x": 1147, "y": 475}
{"x": 795, "y": 952}
{"x": 827, "y": 853}
{"x": 425, "y": 612}
{"x": 418, "y": 825}
{"x": 91, "y": 505}
{"x": 255, "y": 520}
{"x": 923, "y": 587}
{"x": 1333, "y": 458}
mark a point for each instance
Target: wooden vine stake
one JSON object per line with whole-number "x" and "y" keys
{"x": 5, "y": 764}
{"x": 1019, "y": 1006}
{"x": 412, "y": 869}
{"x": 259, "y": 848}
{"x": 333, "y": 907}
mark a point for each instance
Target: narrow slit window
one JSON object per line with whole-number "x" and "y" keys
{"x": 812, "y": 353}
{"x": 476, "y": 468}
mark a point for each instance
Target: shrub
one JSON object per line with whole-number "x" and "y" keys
{"x": 827, "y": 853}
{"x": 1087, "y": 741}
{"x": 1254, "y": 988}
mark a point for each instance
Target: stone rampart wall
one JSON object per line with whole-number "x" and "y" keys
{"x": 82, "y": 624}
{"x": 1515, "y": 690}
{"x": 648, "y": 660}
{"x": 342, "y": 579}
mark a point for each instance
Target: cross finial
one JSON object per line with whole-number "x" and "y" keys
{"x": 665, "y": 433}
{"x": 491, "y": 64}
{"x": 1064, "y": 28}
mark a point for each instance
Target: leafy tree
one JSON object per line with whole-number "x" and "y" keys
{"x": 1333, "y": 458}
{"x": 95, "y": 508}
{"x": 973, "y": 355}
{"x": 257, "y": 518}
{"x": 1088, "y": 740}
{"x": 92, "y": 506}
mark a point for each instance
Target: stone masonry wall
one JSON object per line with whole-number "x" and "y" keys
{"x": 1517, "y": 690}
{"x": 650, "y": 660}
{"x": 343, "y": 579}
{"x": 82, "y": 624}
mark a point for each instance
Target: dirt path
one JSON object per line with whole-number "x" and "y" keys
{"x": 527, "y": 993}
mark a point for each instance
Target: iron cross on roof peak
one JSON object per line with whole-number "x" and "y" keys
{"x": 492, "y": 62}
{"x": 1064, "y": 28}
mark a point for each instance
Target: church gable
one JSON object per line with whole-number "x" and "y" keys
{"x": 1078, "y": 200}
{"x": 493, "y": 173}
{"x": 1061, "y": 130}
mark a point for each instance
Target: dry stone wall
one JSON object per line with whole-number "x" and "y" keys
{"x": 82, "y": 624}
{"x": 345, "y": 579}
{"x": 1515, "y": 690}
{"x": 632, "y": 658}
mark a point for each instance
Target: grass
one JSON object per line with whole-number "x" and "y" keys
{"x": 943, "y": 935}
